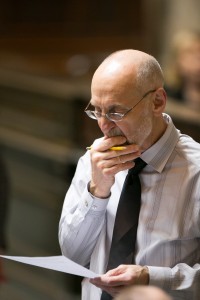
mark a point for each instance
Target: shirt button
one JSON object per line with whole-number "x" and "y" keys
{"x": 86, "y": 203}
{"x": 94, "y": 207}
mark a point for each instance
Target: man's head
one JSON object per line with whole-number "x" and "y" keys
{"x": 120, "y": 82}
{"x": 143, "y": 293}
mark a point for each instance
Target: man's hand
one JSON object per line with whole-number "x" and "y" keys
{"x": 114, "y": 280}
{"x": 107, "y": 163}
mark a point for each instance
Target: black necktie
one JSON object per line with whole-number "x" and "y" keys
{"x": 125, "y": 229}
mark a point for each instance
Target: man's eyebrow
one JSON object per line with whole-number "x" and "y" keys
{"x": 116, "y": 106}
{"x": 111, "y": 107}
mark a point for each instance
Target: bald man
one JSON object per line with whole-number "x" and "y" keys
{"x": 142, "y": 293}
{"x": 128, "y": 102}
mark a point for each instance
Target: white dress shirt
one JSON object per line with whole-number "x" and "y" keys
{"x": 168, "y": 238}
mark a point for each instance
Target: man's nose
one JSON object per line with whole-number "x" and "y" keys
{"x": 105, "y": 124}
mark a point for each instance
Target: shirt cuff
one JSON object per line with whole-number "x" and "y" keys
{"x": 92, "y": 204}
{"x": 98, "y": 204}
{"x": 160, "y": 277}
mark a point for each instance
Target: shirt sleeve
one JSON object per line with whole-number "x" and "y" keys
{"x": 82, "y": 218}
{"x": 181, "y": 277}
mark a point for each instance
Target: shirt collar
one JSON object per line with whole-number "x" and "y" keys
{"x": 158, "y": 154}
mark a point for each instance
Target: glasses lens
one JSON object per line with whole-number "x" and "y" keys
{"x": 115, "y": 116}
{"x": 92, "y": 114}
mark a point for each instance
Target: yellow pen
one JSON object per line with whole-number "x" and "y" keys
{"x": 116, "y": 148}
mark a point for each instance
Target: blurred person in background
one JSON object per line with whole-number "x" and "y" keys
{"x": 182, "y": 71}
{"x": 142, "y": 293}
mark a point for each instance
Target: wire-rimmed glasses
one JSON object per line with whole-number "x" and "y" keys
{"x": 113, "y": 116}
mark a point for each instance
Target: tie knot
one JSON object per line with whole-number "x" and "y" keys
{"x": 139, "y": 165}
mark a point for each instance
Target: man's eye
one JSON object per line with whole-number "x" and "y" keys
{"x": 116, "y": 112}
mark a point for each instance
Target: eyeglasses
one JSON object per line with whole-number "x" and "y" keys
{"x": 113, "y": 116}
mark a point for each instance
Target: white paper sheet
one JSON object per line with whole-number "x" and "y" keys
{"x": 57, "y": 263}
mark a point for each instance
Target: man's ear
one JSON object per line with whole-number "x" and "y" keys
{"x": 159, "y": 101}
